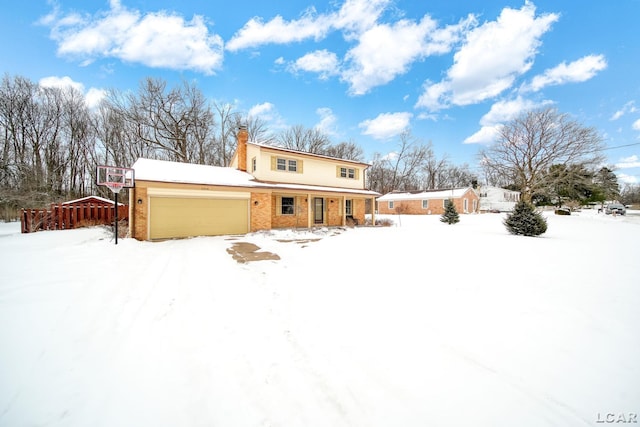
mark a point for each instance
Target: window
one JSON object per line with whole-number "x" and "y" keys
{"x": 391, "y": 204}
{"x": 425, "y": 204}
{"x": 289, "y": 165}
{"x": 287, "y": 205}
{"x": 475, "y": 205}
{"x": 466, "y": 205}
{"x": 444, "y": 203}
{"x": 347, "y": 173}
{"x": 348, "y": 210}
{"x": 254, "y": 164}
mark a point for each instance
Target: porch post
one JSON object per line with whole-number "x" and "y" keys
{"x": 309, "y": 210}
{"x": 373, "y": 211}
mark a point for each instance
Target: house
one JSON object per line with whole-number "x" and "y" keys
{"x": 496, "y": 199}
{"x": 263, "y": 188}
{"x": 428, "y": 202}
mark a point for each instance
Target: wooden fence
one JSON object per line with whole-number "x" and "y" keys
{"x": 66, "y": 217}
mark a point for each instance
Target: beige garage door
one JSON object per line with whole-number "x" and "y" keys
{"x": 185, "y": 217}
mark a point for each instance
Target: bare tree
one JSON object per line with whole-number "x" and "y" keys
{"x": 433, "y": 170}
{"x": 303, "y": 139}
{"x": 346, "y": 150}
{"x": 527, "y": 147}
{"x": 400, "y": 170}
{"x": 176, "y": 122}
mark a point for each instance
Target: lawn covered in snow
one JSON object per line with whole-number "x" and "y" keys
{"x": 418, "y": 324}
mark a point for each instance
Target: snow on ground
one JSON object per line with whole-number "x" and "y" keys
{"x": 418, "y": 324}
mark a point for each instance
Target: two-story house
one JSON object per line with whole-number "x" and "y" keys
{"x": 264, "y": 187}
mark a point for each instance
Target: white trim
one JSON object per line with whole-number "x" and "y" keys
{"x": 205, "y": 194}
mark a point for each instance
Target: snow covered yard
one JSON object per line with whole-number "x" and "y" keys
{"x": 419, "y": 324}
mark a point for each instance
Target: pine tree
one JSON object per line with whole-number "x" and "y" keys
{"x": 525, "y": 220}
{"x": 450, "y": 215}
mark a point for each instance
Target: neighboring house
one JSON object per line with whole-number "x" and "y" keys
{"x": 263, "y": 188}
{"x": 496, "y": 199}
{"x": 428, "y": 202}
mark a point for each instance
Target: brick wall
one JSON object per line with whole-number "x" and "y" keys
{"x": 138, "y": 221}
{"x": 434, "y": 207}
{"x": 298, "y": 219}
{"x": 261, "y": 207}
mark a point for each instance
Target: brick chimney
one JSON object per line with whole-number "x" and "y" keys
{"x": 243, "y": 137}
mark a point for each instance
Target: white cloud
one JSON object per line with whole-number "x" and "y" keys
{"x": 385, "y": 51}
{"x": 327, "y": 122}
{"x": 323, "y": 62}
{"x": 577, "y": 71}
{"x": 636, "y": 125}
{"x": 504, "y": 111}
{"x": 386, "y": 125}
{"x": 61, "y": 82}
{"x": 493, "y": 55}
{"x": 381, "y": 51}
{"x": 353, "y": 17}
{"x": 500, "y": 113}
{"x": 92, "y": 97}
{"x": 629, "y": 107}
{"x": 269, "y": 113}
{"x": 158, "y": 40}
{"x": 627, "y": 179}
{"x": 628, "y": 162}
{"x": 264, "y": 110}
{"x": 486, "y": 135}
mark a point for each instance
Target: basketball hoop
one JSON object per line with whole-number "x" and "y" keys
{"x": 115, "y": 187}
{"x": 115, "y": 178}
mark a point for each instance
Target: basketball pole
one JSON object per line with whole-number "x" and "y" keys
{"x": 116, "y": 217}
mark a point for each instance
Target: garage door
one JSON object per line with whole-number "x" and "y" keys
{"x": 184, "y": 217}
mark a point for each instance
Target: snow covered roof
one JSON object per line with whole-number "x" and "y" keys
{"x": 188, "y": 173}
{"x": 423, "y": 195}
{"x": 88, "y": 198}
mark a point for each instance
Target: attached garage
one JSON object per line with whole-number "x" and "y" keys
{"x": 177, "y": 213}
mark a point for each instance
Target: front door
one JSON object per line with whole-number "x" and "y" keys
{"x": 318, "y": 210}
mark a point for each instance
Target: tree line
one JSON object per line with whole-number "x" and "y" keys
{"x": 51, "y": 142}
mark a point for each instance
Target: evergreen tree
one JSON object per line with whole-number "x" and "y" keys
{"x": 525, "y": 220}
{"x": 450, "y": 215}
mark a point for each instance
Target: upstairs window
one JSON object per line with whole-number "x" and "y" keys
{"x": 286, "y": 165}
{"x": 344, "y": 172}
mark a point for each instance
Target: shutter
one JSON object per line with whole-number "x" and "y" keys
{"x": 273, "y": 163}
{"x": 337, "y": 171}
{"x": 357, "y": 174}
{"x": 299, "y": 166}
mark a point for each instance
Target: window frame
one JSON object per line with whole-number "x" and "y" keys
{"x": 290, "y": 207}
{"x": 390, "y": 204}
{"x": 425, "y": 203}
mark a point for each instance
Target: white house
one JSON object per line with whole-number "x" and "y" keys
{"x": 497, "y": 199}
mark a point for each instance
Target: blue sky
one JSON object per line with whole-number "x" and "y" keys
{"x": 362, "y": 70}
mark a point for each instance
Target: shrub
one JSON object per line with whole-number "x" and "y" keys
{"x": 525, "y": 220}
{"x": 450, "y": 215}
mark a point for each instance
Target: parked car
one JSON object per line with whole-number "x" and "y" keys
{"x": 615, "y": 208}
